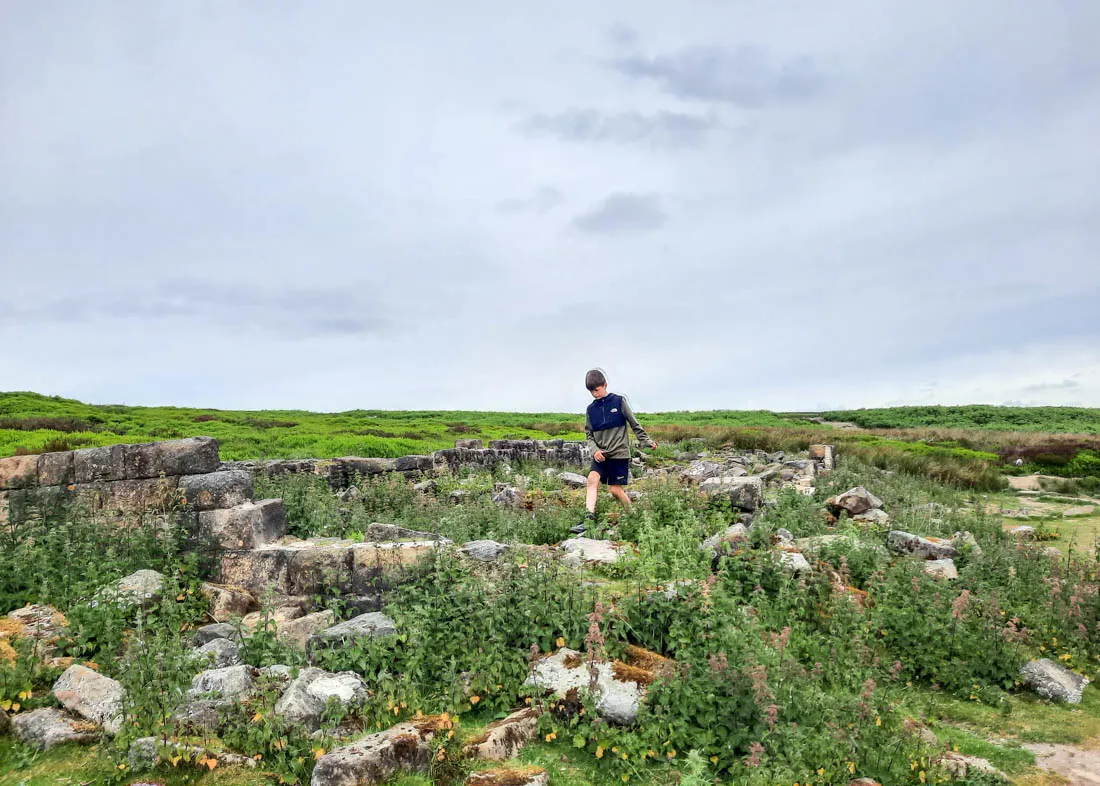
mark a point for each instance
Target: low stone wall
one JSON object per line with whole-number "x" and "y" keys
{"x": 128, "y": 482}
{"x": 467, "y": 453}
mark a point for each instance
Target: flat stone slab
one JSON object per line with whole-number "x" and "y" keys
{"x": 588, "y": 550}
{"x": 45, "y": 728}
{"x": 504, "y": 738}
{"x": 1079, "y": 510}
{"x": 745, "y": 492}
{"x": 92, "y": 696}
{"x": 484, "y": 550}
{"x": 573, "y": 480}
{"x": 565, "y": 669}
{"x": 191, "y": 456}
{"x": 1053, "y": 681}
{"x": 216, "y": 489}
{"x": 509, "y": 776}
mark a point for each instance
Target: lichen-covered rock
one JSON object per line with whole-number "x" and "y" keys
{"x": 733, "y": 534}
{"x": 1023, "y": 533}
{"x": 484, "y": 550}
{"x": 373, "y": 625}
{"x": 376, "y": 758}
{"x": 504, "y": 738}
{"x": 5, "y": 723}
{"x": 701, "y": 470}
{"x": 305, "y": 698}
{"x": 584, "y": 550}
{"x": 564, "y": 670}
{"x": 966, "y": 544}
{"x": 227, "y": 602}
{"x": 794, "y": 562}
{"x": 217, "y": 630}
{"x": 141, "y": 588}
{"x": 873, "y": 516}
{"x": 509, "y": 776}
{"x": 941, "y": 569}
{"x": 147, "y": 752}
{"x": 961, "y": 766}
{"x": 573, "y": 480}
{"x": 17, "y": 472}
{"x": 1052, "y": 681}
{"x": 925, "y": 548}
{"x": 91, "y": 695}
{"x": 746, "y": 492}
{"x": 216, "y": 489}
{"x": 854, "y": 501}
{"x": 218, "y": 654}
{"x": 41, "y": 625}
{"x": 45, "y": 728}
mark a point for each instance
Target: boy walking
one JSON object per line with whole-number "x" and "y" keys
{"x": 605, "y": 426}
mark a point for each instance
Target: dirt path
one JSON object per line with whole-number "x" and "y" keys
{"x": 1079, "y": 765}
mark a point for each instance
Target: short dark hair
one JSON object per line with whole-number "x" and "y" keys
{"x": 594, "y": 378}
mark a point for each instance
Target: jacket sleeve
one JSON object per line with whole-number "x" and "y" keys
{"x": 639, "y": 432}
{"x": 589, "y": 439}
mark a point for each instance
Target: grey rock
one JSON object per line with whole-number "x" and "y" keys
{"x": 906, "y": 543}
{"x": 1024, "y": 532}
{"x": 617, "y": 701}
{"x": 732, "y": 534}
{"x": 746, "y": 493}
{"x": 376, "y": 758}
{"x": 784, "y": 535}
{"x": 458, "y": 495}
{"x": 141, "y": 588}
{"x": 305, "y": 698}
{"x": 219, "y": 653}
{"x": 966, "y": 543}
{"x": 795, "y": 562}
{"x": 1052, "y": 681}
{"x": 373, "y": 625}
{"x": 217, "y": 489}
{"x": 941, "y": 569}
{"x": 218, "y": 630}
{"x": 381, "y": 533}
{"x": 426, "y": 486}
{"x": 350, "y": 494}
{"x": 45, "y": 728}
{"x": 5, "y": 723}
{"x": 701, "y": 470}
{"x": 873, "y": 516}
{"x": 589, "y": 550}
{"x": 507, "y": 497}
{"x": 229, "y": 682}
{"x": 298, "y": 632}
{"x": 484, "y": 550}
{"x": 147, "y": 752}
{"x": 573, "y": 480}
{"x": 91, "y": 695}
{"x": 245, "y": 526}
{"x": 504, "y": 738}
{"x": 855, "y": 501}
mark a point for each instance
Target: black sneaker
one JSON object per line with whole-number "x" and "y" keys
{"x": 581, "y": 528}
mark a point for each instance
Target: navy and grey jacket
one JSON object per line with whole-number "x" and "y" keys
{"x": 605, "y": 426}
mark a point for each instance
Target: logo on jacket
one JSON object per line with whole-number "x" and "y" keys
{"x": 615, "y": 409}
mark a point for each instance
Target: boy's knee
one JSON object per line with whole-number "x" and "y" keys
{"x": 594, "y": 480}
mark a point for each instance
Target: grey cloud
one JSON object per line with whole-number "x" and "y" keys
{"x": 744, "y": 76}
{"x": 622, "y": 34}
{"x": 291, "y": 311}
{"x": 662, "y": 129}
{"x": 542, "y": 201}
{"x": 1044, "y": 386}
{"x": 622, "y": 213}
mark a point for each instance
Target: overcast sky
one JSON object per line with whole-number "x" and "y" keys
{"x": 723, "y": 203}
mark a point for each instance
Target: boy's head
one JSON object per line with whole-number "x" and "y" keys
{"x": 596, "y": 383}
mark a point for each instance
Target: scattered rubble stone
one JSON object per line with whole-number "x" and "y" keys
{"x": 1052, "y": 681}
{"x": 90, "y": 695}
{"x": 45, "y": 728}
{"x": 373, "y": 625}
{"x": 305, "y": 698}
{"x": 854, "y": 501}
{"x": 219, "y": 653}
{"x": 941, "y": 569}
{"x": 484, "y": 550}
{"x": 217, "y": 630}
{"x": 504, "y": 738}
{"x": 925, "y": 548}
{"x": 141, "y": 588}
{"x": 376, "y": 758}
{"x": 564, "y": 670}
{"x": 581, "y": 550}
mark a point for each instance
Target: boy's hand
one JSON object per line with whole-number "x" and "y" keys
{"x": 652, "y": 445}
{"x": 598, "y": 455}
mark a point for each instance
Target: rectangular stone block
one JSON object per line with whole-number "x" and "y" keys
{"x": 245, "y": 526}
{"x": 129, "y": 496}
{"x": 192, "y": 456}
{"x": 414, "y": 463}
{"x": 216, "y": 489}
{"x": 376, "y": 567}
{"x": 56, "y": 469}
{"x": 91, "y": 465}
{"x": 470, "y": 444}
{"x": 17, "y": 472}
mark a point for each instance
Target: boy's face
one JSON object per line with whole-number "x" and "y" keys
{"x": 599, "y": 391}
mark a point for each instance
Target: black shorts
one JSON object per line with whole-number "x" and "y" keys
{"x": 613, "y": 472}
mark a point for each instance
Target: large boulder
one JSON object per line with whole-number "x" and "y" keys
{"x": 746, "y": 493}
{"x": 617, "y": 700}
{"x": 245, "y": 526}
{"x": 1052, "y": 681}
{"x": 373, "y": 625}
{"x": 91, "y": 695}
{"x": 45, "y": 728}
{"x": 305, "y": 698}
{"x": 377, "y": 758}
{"x": 854, "y": 501}
{"x": 925, "y": 548}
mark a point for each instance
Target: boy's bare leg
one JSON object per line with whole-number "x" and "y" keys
{"x": 618, "y": 493}
{"x": 592, "y": 491}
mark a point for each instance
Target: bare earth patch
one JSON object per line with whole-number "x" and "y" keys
{"x": 1079, "y": 765}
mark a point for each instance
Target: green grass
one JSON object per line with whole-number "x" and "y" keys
{"x": 1073, "y": 420}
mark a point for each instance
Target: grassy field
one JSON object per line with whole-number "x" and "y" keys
{"x": 1068, "y": 420}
